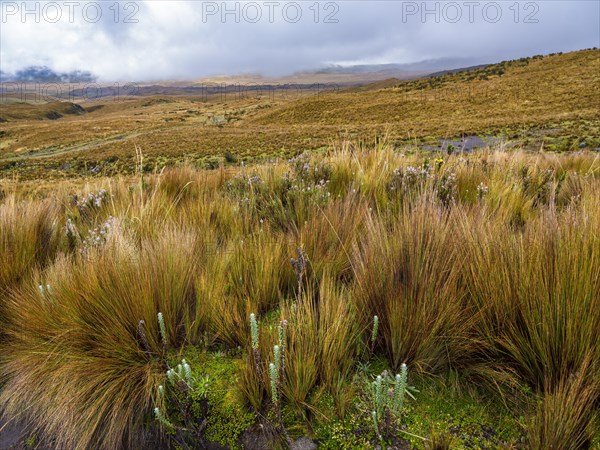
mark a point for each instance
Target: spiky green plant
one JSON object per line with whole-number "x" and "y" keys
{"x": 400, "y": 385}
{"x": 255, "y": 349}
{"x": 163, "y": 331}
{"x": 181, "y": 416}
{"x": 387, "y": 401}
{"x": 375, "y": 330}
{"x": 274, "y": 379}
{"x": 281, "y": 335}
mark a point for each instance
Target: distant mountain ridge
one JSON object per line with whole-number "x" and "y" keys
{"x": 345, "y": 74}
{"x": 43, "y": 74}
{"x": 428, "y": 65}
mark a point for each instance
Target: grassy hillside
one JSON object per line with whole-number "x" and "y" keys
{"x": 550, "y": 101}
{"x": 527, "y": 92}
{"x": 23, "y": 111}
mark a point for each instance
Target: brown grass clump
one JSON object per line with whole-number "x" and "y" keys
{"x": 75, "y": 365}
{"x": 30, "y": 236}
{"x": 566, "y": 416}
{"x": 408, "y": 275}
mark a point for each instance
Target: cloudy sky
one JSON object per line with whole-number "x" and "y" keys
{"x": 152, "y": 39}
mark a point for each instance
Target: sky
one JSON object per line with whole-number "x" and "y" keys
{"x": 185, "y": 40}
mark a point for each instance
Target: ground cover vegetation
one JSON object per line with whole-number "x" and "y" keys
{"x": 358, "y": 297}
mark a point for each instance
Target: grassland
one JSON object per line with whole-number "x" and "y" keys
{"x": 483, "y": 271}
{"x": 550, "y": 102}
{"x": 270, "y": 272}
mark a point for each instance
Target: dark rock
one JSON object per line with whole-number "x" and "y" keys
{"x": 53, "y": 115}
{"x": 303, "y": 443}
{"x": 74, "y": 108}
{"x": 14, "y": 436}
{"x": 257, "y": 437}
{"x": 10, "y": 435}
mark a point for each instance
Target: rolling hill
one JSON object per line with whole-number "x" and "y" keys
{"x": 551, "y": 101}
{"x": 19, "y": 111}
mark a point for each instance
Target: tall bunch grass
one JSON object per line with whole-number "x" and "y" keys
{"x": 76, "y": 366}
{"x": 537, "y": 293}
{"x": 408, "y": 275}
{"x": 322, "y": 344}
{"x": 566, "y": 416}
{"x": 30, "y": 236}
